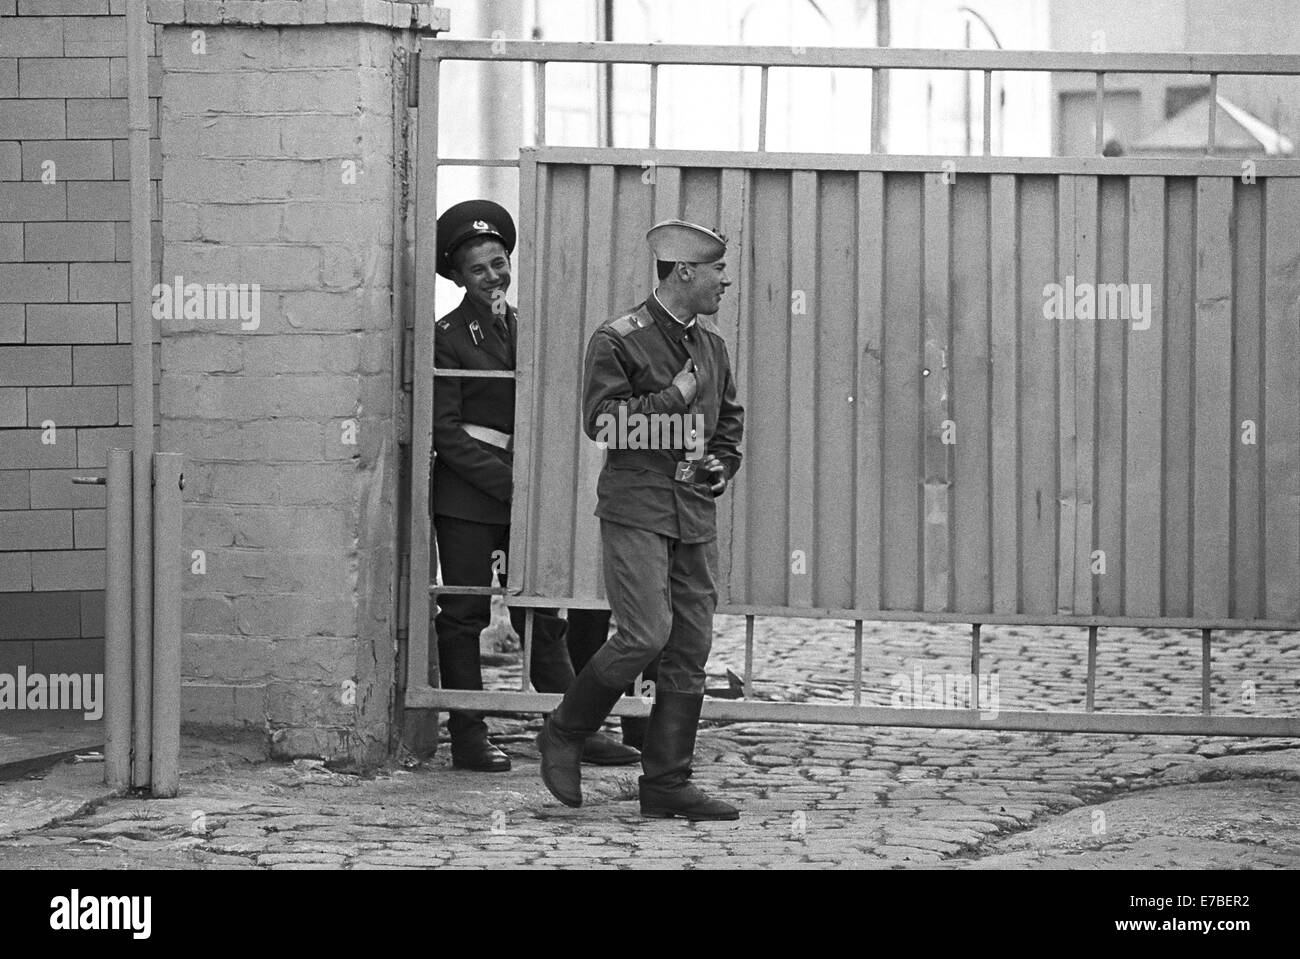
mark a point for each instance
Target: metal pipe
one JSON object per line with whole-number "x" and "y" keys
{"x": 654, "y": 105}
{"x": 988, "y": 112}
{"x": 749, "y": 657}
{"x": 117, "y": 622}
{"x": 1099, "y": 118}
{"x": 138, "y": 33}
{"x": 1214, "y": 114}
{"x": 1092, "y": 666}
{"x": 762, "y": 109}
{"x": 165, "y": 763}
{"x": 525, "y": 674}
{"x": 857, "y": 662}
{"x": 539, "y": 104}
{"x": 1205, "y": 672}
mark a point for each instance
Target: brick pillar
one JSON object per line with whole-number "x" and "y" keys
{"x": 279, "y": 136}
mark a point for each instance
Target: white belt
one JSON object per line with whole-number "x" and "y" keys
{"x": 489, "y": 436}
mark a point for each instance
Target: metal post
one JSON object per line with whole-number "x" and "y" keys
{"x": 165, "y": 765}
{"x": 117, "y": 622}
{"x": 654, "y": 105}
{"x": 762, "y": 110}
{"x": 988, "y": 112}
{"x": 857, "y": 662}
{"x": 1214, "y": 114}
{"x": 749, "y": 657}
{"x": 1092, "y": 666}
{"x": 1100, "y": 115}
{"x": 525, "y": 675}
{"x": 975, "y": 665}
{"x": 137, "y": 49}
{"x": 539, "y": 103}
{"x": 1205, "y": 671}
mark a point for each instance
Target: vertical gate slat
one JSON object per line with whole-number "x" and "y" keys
{"x": 732, "y": 319}
{"x": 1038, "y": 376}
{"x": 1282, "y": 398}
{"x": 803, "y": 379}
{"x": 524, "y": 521}
{"x": 1180, "y": 254}
{"x": 1212, "y": 437}
{"x": 834, "y": 336}
{"x": 1143, "y": 450}
{"x": 1247, "y": 379}
{"x": 557, "y": 410}
{"x": 969, "y": 391}
{"x": 936, "y": 355}
{"x": 868, "y": 383}
{"x": 1112, "y": 343}
{"x": 1067, "y": 392}
{"x": 1085, "y": 403}
{"x": 768, "y": 385}
{"x": 1004, "y": 323}
{"x": 598, "y": 308}
{"x": 903, "y": 463}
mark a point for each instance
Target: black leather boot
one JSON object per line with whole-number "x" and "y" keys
{"x": 458, "y": 663}
{"x": 470, "y": 748}
{"x": 552, "y": 672}
{"x": 666, "y": 789}
{"x": 566, "y": 731}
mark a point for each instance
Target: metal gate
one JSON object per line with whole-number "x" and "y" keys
{"x": 922, "y": 441}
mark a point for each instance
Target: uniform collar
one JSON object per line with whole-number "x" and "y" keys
{"x": 471, "y": 310}
{"x": 674, "y": 326}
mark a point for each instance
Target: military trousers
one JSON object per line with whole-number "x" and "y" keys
{"x": 662, "y": 594}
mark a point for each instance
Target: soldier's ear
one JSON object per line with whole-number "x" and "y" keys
{"x": 456, "y": 278}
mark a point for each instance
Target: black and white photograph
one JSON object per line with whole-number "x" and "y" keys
{"x": 650, "y": 435}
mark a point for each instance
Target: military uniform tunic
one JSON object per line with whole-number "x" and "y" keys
{"x": 631, "y": 361}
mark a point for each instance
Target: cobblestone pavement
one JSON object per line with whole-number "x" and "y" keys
{"x": 810, "y": 796}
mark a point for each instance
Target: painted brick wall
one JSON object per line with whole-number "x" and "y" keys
{"x": 278, "y": 147}
{"x": 64, "y": 326}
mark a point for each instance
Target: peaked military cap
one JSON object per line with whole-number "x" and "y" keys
{"x": 468, "y": 221}
{"x": 676, "y": 241}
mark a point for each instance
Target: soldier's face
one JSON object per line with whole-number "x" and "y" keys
{"x": 709, "y": 281}
{"x": 483, "y": 269}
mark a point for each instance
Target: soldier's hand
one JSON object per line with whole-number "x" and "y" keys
{"x": 686, "y": 382}
{"x": 712, "y": 464}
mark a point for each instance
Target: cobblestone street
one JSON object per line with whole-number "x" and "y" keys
{"x": 810, "y": 796}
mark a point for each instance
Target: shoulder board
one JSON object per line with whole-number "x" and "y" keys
{"x": 626, "y": 324}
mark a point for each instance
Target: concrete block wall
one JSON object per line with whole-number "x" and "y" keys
{"x": 279, "y": 135}
{"x": 64, "y": 323}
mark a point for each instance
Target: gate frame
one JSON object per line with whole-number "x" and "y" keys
{"x": 420, "y": 651}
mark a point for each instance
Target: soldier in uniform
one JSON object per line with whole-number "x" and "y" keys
{"x": 472, "y": 478}
{"x": 657, "y": 522}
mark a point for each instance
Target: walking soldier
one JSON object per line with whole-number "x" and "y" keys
{"x": 657, "y": 520}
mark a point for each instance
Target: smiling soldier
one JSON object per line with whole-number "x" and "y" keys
{"x": 473, "y": 474}
{"x": 657, "y": 523}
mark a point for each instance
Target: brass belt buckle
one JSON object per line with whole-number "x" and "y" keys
{"x": 685, "y": 472}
